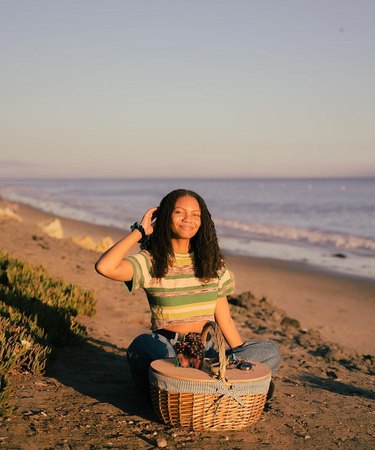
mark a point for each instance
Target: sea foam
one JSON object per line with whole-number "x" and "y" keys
{"x": 300, "y": 234}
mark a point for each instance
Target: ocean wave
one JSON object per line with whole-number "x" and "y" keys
{"x": 296, "y": 234}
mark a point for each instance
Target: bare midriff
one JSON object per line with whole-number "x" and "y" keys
{"x": 189, "y": 327}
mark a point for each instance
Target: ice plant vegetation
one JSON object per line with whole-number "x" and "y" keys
{"x": 37, "y": 314}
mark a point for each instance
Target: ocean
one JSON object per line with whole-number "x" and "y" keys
{"x": 328, "y": 223}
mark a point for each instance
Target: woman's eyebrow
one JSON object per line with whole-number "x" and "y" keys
{"x": 187, "y": 209}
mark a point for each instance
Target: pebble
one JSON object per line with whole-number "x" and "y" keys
{"x": 331, "y": 374}
{"x": 161, "y": 442}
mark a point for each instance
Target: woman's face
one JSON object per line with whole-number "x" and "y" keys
{"x": 185, "y": 218}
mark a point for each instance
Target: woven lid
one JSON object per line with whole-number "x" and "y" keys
{"x": 168, "y": 368}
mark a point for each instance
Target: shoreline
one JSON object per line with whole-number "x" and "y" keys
{"x": 340, "y": 306}
{"x": 77, "y": 227}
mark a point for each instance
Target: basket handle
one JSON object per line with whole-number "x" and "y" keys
{"x": 220, "y": 343}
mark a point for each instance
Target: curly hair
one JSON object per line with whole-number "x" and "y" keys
{"x": 204, "y": 247}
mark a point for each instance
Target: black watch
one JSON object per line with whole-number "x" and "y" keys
{"x": 138, "y": 226}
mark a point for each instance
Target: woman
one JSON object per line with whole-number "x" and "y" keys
{"x": 183, "y": 273}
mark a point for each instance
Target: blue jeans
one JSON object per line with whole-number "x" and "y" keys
{"x": 148, "y": 347}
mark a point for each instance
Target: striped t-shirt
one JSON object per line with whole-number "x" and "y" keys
{"x": 179, "y": 296}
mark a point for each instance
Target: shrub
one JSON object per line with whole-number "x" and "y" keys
{"x": 37, "y": 313}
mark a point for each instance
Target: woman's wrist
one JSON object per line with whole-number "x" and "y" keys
{"x": 138, "y": 227}
{"x": 136, "y": 231}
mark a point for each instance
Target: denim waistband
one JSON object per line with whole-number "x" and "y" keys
{"x": 171, "y": 335}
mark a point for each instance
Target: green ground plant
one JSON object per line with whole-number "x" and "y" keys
{"x": 37, "y": 314}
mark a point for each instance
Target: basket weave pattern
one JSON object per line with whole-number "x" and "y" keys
{"x": 213, "y": 405}
{"x": 200, "y": 412}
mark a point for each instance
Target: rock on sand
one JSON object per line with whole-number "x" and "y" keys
{"x": 53, "y": 228}
{"x": 89, "y": 243}
{"x": 8, "y": 213}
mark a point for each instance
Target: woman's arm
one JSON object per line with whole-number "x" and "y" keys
{"x": 226, "y": 323}
{"x": 112, "y": 264}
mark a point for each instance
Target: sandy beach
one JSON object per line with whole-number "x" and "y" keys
{"x": 324, "y": 389}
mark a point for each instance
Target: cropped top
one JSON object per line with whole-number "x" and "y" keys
{"x": 179, "y": 296}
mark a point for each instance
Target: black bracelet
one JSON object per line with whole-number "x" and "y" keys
{"x": 139, "y": 227}
{"x": 238, "y": 347}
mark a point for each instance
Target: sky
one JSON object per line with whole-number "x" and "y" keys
{"x": 208, "y": 88}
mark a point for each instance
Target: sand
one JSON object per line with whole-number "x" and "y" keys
{"x": 324, "y": 389}
{"x": 340, "y": 306}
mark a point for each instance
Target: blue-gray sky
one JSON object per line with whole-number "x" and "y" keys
{"x": 212, "y": 88}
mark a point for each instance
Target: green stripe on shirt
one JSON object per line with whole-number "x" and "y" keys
{"x": 180, "y": 296}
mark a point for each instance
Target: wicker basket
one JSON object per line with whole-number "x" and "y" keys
{"x": 195, "y": 399}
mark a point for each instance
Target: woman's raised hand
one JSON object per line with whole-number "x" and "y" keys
{"x": 112, "y": 264}
{"x": 147, "y": 221}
